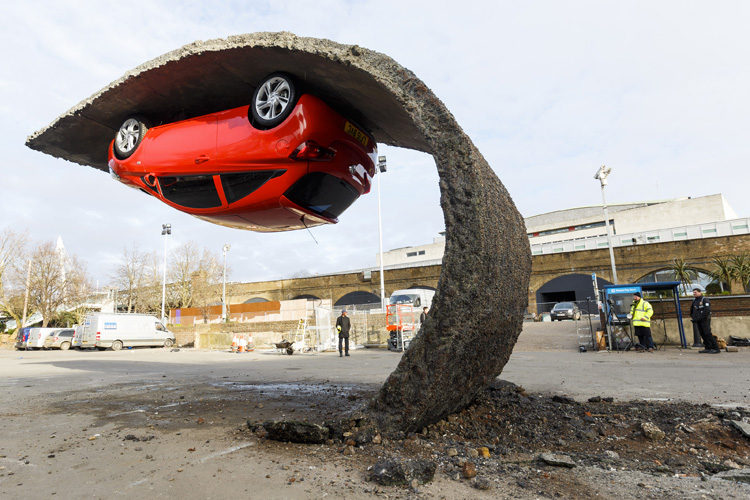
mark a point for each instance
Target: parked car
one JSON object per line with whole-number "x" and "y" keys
{"x": 565, "y": 310}
{"x": 284, "y": 162}
{"x": 60, "y": 339}
{"x": 22, "y": 337}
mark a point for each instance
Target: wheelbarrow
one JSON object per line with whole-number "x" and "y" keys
{"x": 285, "y": 345}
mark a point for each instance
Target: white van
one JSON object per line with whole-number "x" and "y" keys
{"x": 115, "y": 331}
{"x": 415, "y": 297}
{"x": 37, "y": 336}
{"x": 77, "y": 336}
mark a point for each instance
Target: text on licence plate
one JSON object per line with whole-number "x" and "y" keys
{"x": 356, "y": 133}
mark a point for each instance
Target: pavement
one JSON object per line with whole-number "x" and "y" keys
{"x": 545, "y": 360}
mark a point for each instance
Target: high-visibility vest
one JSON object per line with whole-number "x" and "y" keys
{"x": 642, "y": 312}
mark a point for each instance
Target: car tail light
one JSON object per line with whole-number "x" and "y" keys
{"x": 98, "y": 335}
{"x": 312, "y": 151}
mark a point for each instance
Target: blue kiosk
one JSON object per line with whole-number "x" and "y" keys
{"x": 618, "y": 299}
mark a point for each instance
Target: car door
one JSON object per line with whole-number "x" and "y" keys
{"x": 183, "y": 148}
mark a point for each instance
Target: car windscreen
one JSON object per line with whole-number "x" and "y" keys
{"x": 192, "y": 191}
{"x": 403, "y": 299}
{"x": 564, "y": 305}
{"x": 323, "y": 194}
{"x": 237, "y": 186}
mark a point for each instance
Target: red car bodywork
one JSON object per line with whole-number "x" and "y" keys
{"x": 220, "y": 168}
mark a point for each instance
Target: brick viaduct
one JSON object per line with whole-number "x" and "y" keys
{"x": 632, "y": 262}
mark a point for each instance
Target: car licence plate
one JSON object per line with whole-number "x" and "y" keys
{"x": 356, "y": 133}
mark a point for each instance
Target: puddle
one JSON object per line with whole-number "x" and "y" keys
{"x": 305, "y": 389}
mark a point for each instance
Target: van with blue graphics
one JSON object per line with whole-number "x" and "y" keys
{"x": 115, "y": 331}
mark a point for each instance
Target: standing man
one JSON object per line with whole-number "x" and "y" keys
{"x": 641, "y": 312}
{"x": 423, "y": 316}
{"x": 343, "y": 325}
{"x": 700, "y": 315}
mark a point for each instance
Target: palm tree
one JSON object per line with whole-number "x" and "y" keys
{"x": 722, "y": 271}
{"x": 683, "y": 273}
{"x": 741, "y": 269}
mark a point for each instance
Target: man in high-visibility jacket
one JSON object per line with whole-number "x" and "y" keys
{"x": 641, "y": 312}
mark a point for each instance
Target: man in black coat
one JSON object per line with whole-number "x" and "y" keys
{"x": 700, "y": 315}
{"x": 343, "y": 325}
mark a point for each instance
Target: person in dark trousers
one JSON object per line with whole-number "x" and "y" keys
{"x": 641, "y": 312}
{"x": 700, "y": 315}
{"x": 343, "y": 325}
{"x": 423, "y": 316}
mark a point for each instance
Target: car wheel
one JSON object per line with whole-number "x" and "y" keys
{"x": 168, "y": 343}
{"x": 65, "y": 346}
{"x": 273, "y": 100}
{"x": 289, "y": 351}
{"x": 116, "y": 345}
{"x": 129, "y": 137}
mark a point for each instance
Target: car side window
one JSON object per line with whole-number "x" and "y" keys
{"x": 192, "y": 191}
{"x": 237, "y": 186}
{"x": 160, "y": 327}
{"x": 323, "y": 194}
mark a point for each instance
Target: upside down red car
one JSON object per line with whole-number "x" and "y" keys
{"x": 281, "y": 163}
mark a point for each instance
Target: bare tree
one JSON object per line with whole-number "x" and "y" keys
{"x": 130, "y": 277}
{"x": 78, "y": 290}
{"x": 195, "y": 278}
{"x": 48, "y": 281}
{"x": 185, "y": 262}
{"x": 12, "y": 260}
{"x": 207, "y": 282}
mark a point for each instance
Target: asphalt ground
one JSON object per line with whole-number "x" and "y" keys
{"x": 163, "y": 423}
{"x": 545, "y": 360}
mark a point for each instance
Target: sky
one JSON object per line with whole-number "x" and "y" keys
{"x": 659, "y": 91}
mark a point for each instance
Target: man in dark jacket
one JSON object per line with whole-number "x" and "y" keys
{"x": 343, "y": 325}
{"x": 700, "y": 315}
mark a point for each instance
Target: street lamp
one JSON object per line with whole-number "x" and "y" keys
{"x": 166, "y": 229}
{"x": 602, "y": 175}
{"x": 224, "y": 287}
{"x": 381, "y": 168}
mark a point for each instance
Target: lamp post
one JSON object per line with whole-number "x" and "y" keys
{"x": 602, "y": 175}
{"x": 380, "y": 169}
{"x": 166, "y": 229}
{"x": 224, "y": 317}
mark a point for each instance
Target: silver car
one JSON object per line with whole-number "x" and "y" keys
{"x": 565, "y": 310}
{"x": 61, "y": 339}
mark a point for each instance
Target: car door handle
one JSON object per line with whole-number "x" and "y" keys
{"x": 202, "y": 159}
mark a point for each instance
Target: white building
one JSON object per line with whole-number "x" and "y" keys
{"x": 583, "y": 228}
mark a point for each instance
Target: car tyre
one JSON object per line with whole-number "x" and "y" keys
{"x": 168, "y": 343}
{"x": 273, "y": 101}
{"x": 129, "y": 136}
{"x": 116, "y": 345}
{"x": 65, "y": 346}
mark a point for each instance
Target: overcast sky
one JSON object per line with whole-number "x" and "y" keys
{"x": 548, "y": 91}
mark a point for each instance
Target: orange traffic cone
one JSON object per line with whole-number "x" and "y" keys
{"x": 234, "y": 343}
{"x": 250, "y": 347}
{"x": 243, "y": 343}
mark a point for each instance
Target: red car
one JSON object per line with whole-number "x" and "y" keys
{"x": 279, "y": 164}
